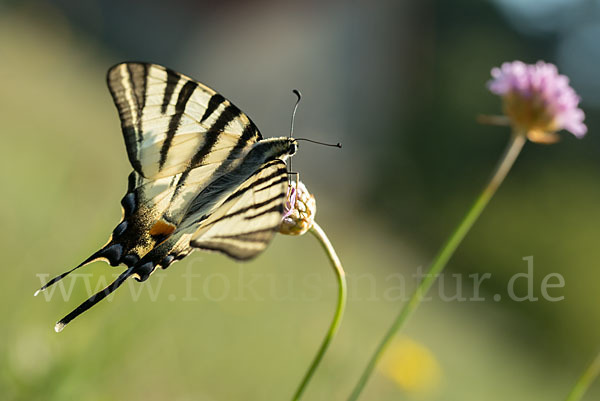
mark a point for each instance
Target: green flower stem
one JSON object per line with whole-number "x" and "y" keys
{"x": 586, "y": 379}
{"x": 510, "y": 154}
{"x": 320, "y": 235}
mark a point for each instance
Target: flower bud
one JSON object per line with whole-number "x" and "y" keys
{"x": 299, "y": 210}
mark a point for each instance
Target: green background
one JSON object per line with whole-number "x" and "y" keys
{"x": 400, "y": 84}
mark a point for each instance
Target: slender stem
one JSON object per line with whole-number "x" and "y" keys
{"x": 439, "y": 262}
{"x": 318, "y": 232}
{"x": 585, "y": 380}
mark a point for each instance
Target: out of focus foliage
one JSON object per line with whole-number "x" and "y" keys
{"x": 400, "y": 84}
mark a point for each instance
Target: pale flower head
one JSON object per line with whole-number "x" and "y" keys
{"x": 299, "y": 210}
{"x": 538, "y": 100}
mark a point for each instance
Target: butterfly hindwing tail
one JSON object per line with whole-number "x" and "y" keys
{"x": 111, "y": 252}
{"x": 93, "y": 300}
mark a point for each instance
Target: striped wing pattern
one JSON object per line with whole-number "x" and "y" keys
{"x": 245, "y": 223}
{"x": 172, "y": 123}
{"x": 186, "y": 143}
{"x": 180, "y": 137}
{"x": 241, "y": 227}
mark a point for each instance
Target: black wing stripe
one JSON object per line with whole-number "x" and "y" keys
{"x": 206, "y": 148}
{"x": 250, "y": 131}
{"x": 253, "y": 237}
{"x": 129, "y": 134}
{"x": 247, "y": 209}
{"x": 200, "y": 201}
{"x": 275, "y": 209}
{"x": 145, "y": 85}
{"x": 229, "y": 114}
{"x": 184, "y": 96}
{"x": 219, "y": 248}
{"x": 172, "y": 80}
{"x": 214, "y": 102}
{"x": 116, "y": 79}
{"x": 260, "y": 181}
{"x": 243, "y": 225}
{"x": 248, "y": 236}
{"x": 211, "y": 138}
{"x": 138, "y": 79}
{"x": 271, "y": 184}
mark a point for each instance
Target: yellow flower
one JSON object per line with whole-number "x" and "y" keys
{"x": 411, "y": 366}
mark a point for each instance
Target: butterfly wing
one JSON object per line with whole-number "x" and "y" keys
{"x": 171, "y": 123}
{"x": 180, "y": 137}
{"x": 187, "y": 145}
{"x": 241, "y": 227}
{"x": 246, "y": 222}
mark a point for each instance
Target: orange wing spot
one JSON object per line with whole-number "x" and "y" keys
{"x": 161, "y": 228}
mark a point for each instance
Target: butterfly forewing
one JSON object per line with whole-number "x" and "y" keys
{"x": 172, "y": 123}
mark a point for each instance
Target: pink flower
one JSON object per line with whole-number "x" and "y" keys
{"x": 538, "y": 100}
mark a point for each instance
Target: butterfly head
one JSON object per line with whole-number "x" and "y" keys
{"x": 275, "y": 148}
{"x": 293, "y": 146}
{"x": 286, "y": 147}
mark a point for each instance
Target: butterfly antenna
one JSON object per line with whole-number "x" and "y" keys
{"x": 337, "y": 145}
{"x": 93, "y": 300}
{"x": 299, "y": 96}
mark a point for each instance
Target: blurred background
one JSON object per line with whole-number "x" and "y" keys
{"x": 400, "y": 84}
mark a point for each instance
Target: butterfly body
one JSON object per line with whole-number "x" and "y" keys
{"x": 203, "y": 177}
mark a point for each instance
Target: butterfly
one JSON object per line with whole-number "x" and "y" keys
{"x": 203, "y": 177}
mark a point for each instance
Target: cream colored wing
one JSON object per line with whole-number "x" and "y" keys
{"x": 172, "y": 123}
{"x": 245, "y": 223}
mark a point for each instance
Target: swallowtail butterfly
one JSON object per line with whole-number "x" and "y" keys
{"x": 203, "y": 177}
